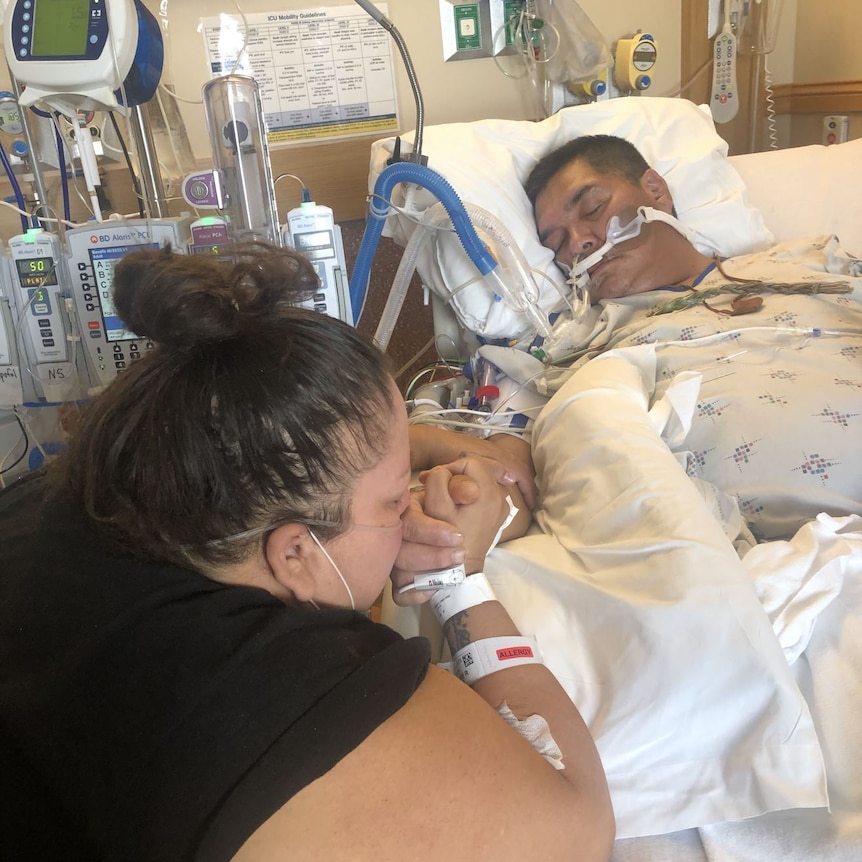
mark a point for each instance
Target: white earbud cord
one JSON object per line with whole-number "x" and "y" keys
{"x": 337, "y": 570}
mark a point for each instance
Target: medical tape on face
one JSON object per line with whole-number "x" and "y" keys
{"x": 489, "y": 655}
{"x": 475, "y": 590}
{"x": 617, "y": 233}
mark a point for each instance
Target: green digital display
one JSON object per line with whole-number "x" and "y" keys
{"x": 60, "y": 28}
{"x": 36, "y": 271}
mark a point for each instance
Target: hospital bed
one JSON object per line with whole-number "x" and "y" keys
{"x": 720, "y": 672}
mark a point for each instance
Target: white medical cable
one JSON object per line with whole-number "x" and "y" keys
{"x": 12, "y": 206}
{"x": 25, "y": 438}
{"x": 770, "y": 104}
{"x": 435, "y": 580}
{"x": 337, "y": 570}
{"x": 422, "y": 402}
{"x": 432, "y": 418}
{"x": 427, "y": 346}
{"x": 173, "y": 95}
{"x": 811, "y": 332}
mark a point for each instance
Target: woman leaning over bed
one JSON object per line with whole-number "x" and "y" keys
{"x": 187, "y": 671}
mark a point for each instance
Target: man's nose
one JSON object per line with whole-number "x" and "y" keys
{"x": 582, "y": 241}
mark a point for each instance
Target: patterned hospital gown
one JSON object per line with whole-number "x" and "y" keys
{"x": 778, "y": 420}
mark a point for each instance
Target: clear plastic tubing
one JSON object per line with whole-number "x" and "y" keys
{"x": 425, "y": 177}
{"x": 433, "y": 219}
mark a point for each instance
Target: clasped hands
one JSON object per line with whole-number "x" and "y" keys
{"x": 455, "y": 514}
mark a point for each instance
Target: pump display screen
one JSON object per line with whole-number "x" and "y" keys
{"x": 104, "y": 260}
{"x": 36, "y": 271}
{"x": 60, "y": 28}
{"x": 315, "y": 245}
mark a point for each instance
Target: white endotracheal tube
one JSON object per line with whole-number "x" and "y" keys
{"x": 579, "y": 277}
{"x": 616, "y": 233}
{"x": 569, "y": 333}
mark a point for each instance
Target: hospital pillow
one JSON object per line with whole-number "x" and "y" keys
{"x": 487, "y": 162}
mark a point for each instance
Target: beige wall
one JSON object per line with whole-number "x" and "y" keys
{"x": 452, "y": 91}
{"x": 826, "y": 49}
{"x": 827, "y": 40}
{"x": 818, "y": 42}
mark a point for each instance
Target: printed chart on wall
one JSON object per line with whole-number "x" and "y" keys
{"x": 323, "y": 73}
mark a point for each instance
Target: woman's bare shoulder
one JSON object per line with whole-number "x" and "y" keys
{"x": 443, "y": 778}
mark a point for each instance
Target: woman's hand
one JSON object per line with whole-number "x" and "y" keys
{"x": 480, "y": 520}
{"x": 453, "y": 518}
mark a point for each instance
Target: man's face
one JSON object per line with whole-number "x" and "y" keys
{"x": 572, "y": 214}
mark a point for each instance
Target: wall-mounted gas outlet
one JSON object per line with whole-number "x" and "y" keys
{"x": 835, "y": 129}
{"x": 466, "y": 29}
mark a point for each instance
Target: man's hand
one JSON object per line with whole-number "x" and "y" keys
{"x": 430, "y": 447}
{"x": 428, "y": 543}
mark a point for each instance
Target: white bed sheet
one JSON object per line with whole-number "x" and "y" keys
{"x": 810, "y": 589}
{"x": 829, "y": 674}
{"x": 676, "y": 652}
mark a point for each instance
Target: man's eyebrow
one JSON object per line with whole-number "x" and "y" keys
{"x": 571, "y": 203}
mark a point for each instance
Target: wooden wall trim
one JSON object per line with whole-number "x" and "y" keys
{"x": 336, "y": 174}
{"x": 829, "y": 97}
{"x": 696, "y": 69}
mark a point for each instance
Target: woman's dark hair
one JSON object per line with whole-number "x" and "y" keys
{"x": 249, "y": 412}
{"x": 607, "y": 154}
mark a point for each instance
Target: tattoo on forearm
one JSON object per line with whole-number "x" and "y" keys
{"x": 458, "y": 631}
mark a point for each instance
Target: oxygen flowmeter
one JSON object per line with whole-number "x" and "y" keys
{"x": 86, "y": 55}
{"x": 634, "y": 61}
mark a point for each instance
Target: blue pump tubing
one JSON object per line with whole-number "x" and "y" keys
{"x": 64, "y": 174}
{"x": 420, "y": 175}
{"x": 13, "y": 181}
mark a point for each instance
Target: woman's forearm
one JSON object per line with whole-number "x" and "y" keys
{"x": 531, "y": 690}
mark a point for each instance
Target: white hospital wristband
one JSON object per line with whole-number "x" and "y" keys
{"x": 487, "y": 656}
{"x": 474, "y": 590}
{"x": 436, "y": 580}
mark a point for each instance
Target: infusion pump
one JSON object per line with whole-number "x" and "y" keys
{"x": 93, "y": 252}
{"x": 61, "y": 338}
{"x": 36, "y": 287}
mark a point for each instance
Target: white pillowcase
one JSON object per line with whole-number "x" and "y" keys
{"x": 488, "y": 161}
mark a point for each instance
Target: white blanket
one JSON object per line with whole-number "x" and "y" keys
{"x": 696, "y": 671}
{"x": 645, "y": 613}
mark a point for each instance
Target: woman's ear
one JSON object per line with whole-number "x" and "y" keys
{"x": 287, "y": 552}
{"x": 655, "y": 185}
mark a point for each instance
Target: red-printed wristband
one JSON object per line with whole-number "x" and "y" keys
{"x": 487, "y": 656}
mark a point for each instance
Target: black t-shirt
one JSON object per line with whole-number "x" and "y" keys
{"x": 165, "y": 716}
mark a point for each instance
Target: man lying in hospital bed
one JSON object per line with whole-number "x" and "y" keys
{"x": 744, "y": 347}
{"x": 633, "y": 587}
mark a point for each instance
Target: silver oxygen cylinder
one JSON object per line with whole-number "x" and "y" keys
{"x": 241, "y": 167}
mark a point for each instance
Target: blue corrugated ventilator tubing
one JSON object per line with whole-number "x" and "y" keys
{"x": 420, "y": 175}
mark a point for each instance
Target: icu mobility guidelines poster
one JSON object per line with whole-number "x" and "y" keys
{"x": 323, "y": 73}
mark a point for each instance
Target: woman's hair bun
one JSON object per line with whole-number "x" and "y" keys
{"x": 186, "y": 300}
